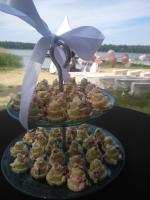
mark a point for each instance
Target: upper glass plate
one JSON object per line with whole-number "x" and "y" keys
{"x": 44, "y": 123}
{"x": 40, "y": 189}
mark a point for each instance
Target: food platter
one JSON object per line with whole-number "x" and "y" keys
{"x": 44, "y": 123}
{"x": 72, "y": 164}
{"x": 40, "y": 189}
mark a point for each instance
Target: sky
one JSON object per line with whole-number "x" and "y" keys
{"x": 121, "y": 22}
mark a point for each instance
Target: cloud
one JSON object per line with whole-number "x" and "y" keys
{"x": 131, "y": 34}
{"x": 112, "y": 17}
{"x": 96, "y": 13}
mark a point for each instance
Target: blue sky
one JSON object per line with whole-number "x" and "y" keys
{"x": 122, "y": 22}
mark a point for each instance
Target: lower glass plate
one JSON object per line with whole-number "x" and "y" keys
{"x": 40, "y": 189}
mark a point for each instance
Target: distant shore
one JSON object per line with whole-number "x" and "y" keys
{"x": 104, "y": 47}
{"x": 134, "y": 57}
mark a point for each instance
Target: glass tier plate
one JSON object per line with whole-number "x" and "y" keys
{"x": 40, "y": 189}
{"x": 44, "y": 123}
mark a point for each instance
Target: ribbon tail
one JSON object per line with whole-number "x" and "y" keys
{"x": 30, "y": 78}
{"x": 25, "y": 10}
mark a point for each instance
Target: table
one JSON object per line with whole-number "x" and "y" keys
{"x": 132, "y": 128}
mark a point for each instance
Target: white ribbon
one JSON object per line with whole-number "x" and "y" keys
{"x": 84, "y": 41}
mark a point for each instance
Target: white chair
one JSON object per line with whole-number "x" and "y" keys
{"x": 120, "y": 71}
{"x": 145, "y": 74}
{"x": 135, "y": 73}
{"x": 139, "y": 88}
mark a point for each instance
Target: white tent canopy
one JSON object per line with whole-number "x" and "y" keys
{"x": 62, "y": 29}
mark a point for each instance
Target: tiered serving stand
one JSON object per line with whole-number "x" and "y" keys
{"x": 40, "y": 189}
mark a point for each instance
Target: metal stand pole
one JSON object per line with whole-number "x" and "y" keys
{"x": 57, "y": 42}
{"x": 64, "y": 138}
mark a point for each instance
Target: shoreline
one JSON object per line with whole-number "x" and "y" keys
{"x": 26, "y": 53}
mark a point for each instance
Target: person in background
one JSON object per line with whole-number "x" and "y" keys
{"x": 142, "y": 57}
{"x": 99, "y": 61}
{"x": 94, "y": 65}
{"x": 85, "y": 65}
{"x": 112, "y": 58}
{"x": 73, "y": 62}
{"x": 125, "y": 60}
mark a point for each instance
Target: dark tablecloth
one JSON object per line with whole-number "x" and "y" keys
{"x": 130, "y": 127}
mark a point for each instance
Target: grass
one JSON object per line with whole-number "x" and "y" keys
{"x": 11, "y": 81}
{"x": 139, "y": 103}
{"x": 141, "y": 66}
{"x": 9, "y": 61}
{"x": 121, "y": 66}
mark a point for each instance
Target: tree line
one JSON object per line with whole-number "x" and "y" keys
{"x": 16, "y": 45}
{"x": 126, "y": 48}
{"x": 104, "y": 47}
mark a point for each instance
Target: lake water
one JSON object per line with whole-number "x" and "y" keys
{"x": 26, "y": 54}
